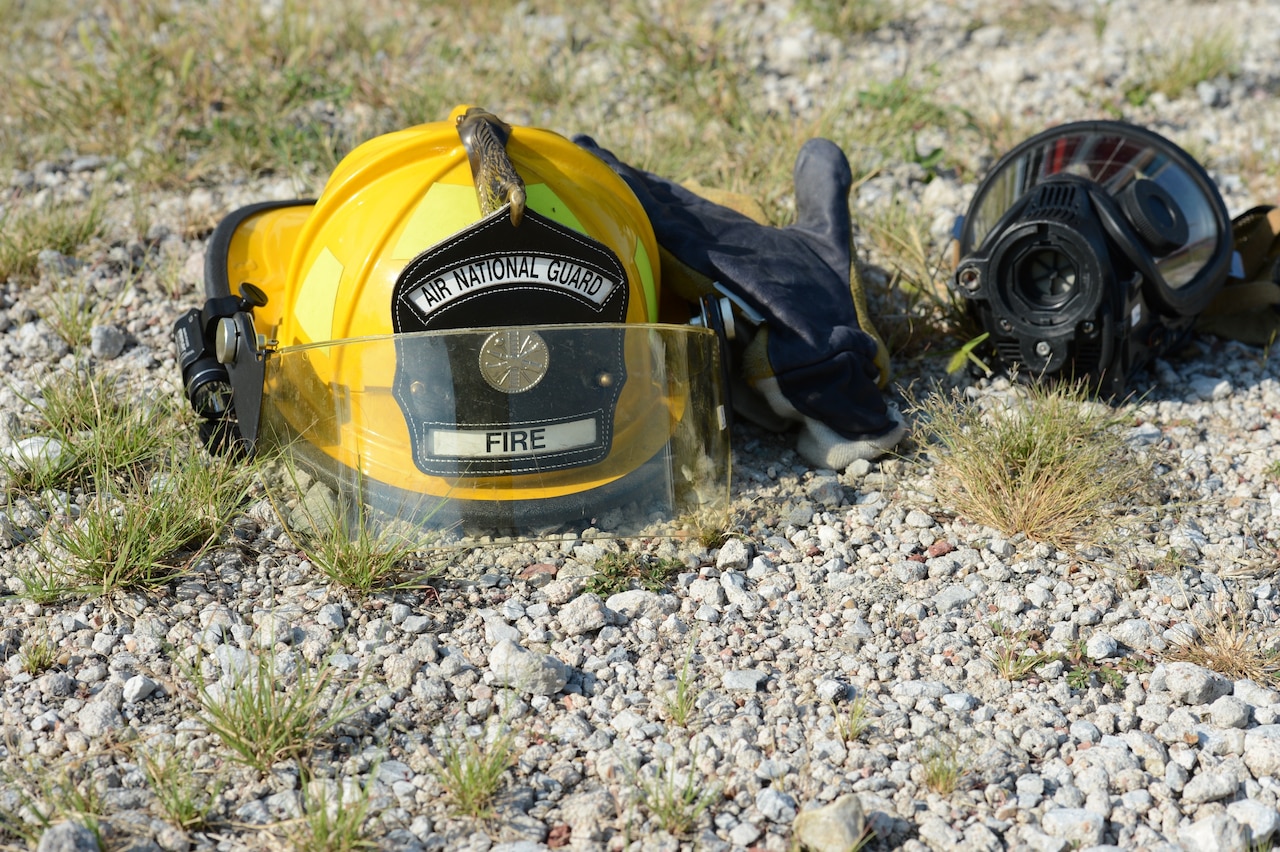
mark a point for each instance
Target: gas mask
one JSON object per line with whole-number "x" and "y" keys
{"x": 1089, "y": 249}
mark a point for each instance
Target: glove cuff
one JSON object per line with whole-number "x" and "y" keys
{"x": 819, "y": 444}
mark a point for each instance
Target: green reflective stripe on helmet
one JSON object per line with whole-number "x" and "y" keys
{"x": 646, "y": 279}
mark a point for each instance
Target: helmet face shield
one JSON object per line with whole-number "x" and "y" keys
{"x": 625, "y": 423}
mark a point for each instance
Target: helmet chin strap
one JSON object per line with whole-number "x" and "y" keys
{"x": 485, "y": 136}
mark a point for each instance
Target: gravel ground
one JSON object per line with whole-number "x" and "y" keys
{"x": 846, "y": 591}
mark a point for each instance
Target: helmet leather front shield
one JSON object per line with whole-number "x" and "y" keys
{"x": 667, "y": 458}
{"x": 510, "y": 401}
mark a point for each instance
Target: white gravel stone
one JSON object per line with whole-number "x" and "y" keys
{"x": 583, "y": 614}
{"x": 137, "y": 688}
{"x": 776, "y": 806}
{"x": 1192, "y": 684}
{"x": 98, "y": 718}
{"x": 748, "y": 680}
{"x": 1262, "y": 821}
{"x": 1217, "y": 832}
{"x": 527, "y": 671}
{"x": 734, "y": 555}
{"x": 1209, "y": 787}
{"x": 1262, "y": 750}
{"x": 1101, "y": 646}
{"x": 1074, "y": 825}
{"x": 836, "y": 827}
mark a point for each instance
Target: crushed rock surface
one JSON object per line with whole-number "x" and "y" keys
{"x": 843, "y": 592}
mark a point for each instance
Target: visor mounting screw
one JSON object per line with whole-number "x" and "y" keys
{"x": 1043, "y": 349}
{"x": 604, "y": 379}
{"x": 1087, "y": 327}
{"x": 970, "y": 278}
{"x": 1005, "y": 325}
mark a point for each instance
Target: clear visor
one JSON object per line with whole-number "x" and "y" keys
{"x": 1113, "y": 156}
{"x": 620, "y": 426}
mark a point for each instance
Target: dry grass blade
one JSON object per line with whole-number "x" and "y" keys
{"x": 1048, "y": 467}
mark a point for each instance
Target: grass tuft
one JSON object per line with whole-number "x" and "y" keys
{"x": 472, "y": 772}
{"x": 944, "y": 768}
{"x": 675, "y": 800}
{"x": 363, "y": 560}
{"x": 1047, "y": 466}
{"x": 682, "y": 701}
{"x": 1012, "y": 656}
{"x": 129, "y": 534}
{"x": 334, "y": 821}
{"x": 1174, "y": 72}
{"x": 184, "y": 798}
{"x": 263, "y": 717}
{"x": 848, "y": 17}
{"x": 1228, "y": 644}
{"x": 38, "y": 653}
{"x": 853, "y": 721}
{"x": 26, "y": 231}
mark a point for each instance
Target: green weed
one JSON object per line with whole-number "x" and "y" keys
{"x": 853, "y": 720}
{"x": 334, "y": 822}
{"x": 853, "y": 17}
{"x": 38, "y": 653}
{"x": 682, "y": 701}
{"x": 1173, "y": 72}
{"x": 618, "y": 572}
{"x": 129, "y": 533}
{"x": 944, "y": 768}
{"x": 1012, "y": 657}
{"x": 63, "y": 227}
{"x": 675, "y": 800}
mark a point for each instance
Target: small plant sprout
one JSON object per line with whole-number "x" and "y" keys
{"x": 944, "y": 768}
{"x": 682, "y": 700}
{"x": 618, "y": 572}
{"x": 355, "y": 550}
{"x": 1012, "y": 657}
{"x": 852, "y": 719}
{"x": 38, "y": 653}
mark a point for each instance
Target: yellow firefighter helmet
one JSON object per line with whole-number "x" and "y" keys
{"x": 463, "y": 326}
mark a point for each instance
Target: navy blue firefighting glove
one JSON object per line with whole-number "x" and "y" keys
{"x": 815, "y": 359}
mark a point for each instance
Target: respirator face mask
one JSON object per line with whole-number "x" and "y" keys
{"x": 1089, "y": 249}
